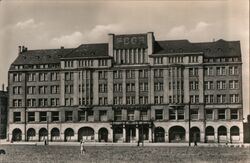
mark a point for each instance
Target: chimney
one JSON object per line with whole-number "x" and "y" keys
{"x": 19, "y": 49}
{"x": 2, "y": 87}
{"x": 62, "y": 47}
{"x": 23, "y": 47}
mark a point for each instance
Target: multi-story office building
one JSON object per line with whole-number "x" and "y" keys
{"x": 3, "y": 112}
{"x": 131, "y": 88}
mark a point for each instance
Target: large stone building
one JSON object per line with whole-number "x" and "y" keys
{"x": 131, "y": 88}
{"x": 3, "y": 112}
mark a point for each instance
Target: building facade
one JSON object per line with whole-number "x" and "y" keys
{"x": 131, "y": 89}
{"x": 3, "y": 112}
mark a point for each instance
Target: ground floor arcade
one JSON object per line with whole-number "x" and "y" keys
{"x": 129, "y": 132}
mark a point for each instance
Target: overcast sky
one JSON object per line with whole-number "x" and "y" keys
{"x": 51, "y": 24}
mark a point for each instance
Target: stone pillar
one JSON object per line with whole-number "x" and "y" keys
{"x": 23, "y": 116}
{"x": 227, "y": 114}
{"x": 151, "y": 87}
{"x": 110, "y": 136}
{"x": 62, "y": 90}
{"x": 150, "y": 134}
{"x": 110, "y": 87}
{"x": 96, "y": 137}
{"x": 228, "y": 135}
{"x": 124, "y": 133}
{"x": 61, "y": 116}
{"x": 137, "y": 114}
{"x": 95, "y": 88}
{"x": 165, "y": 86}
{"x": 123, "y": 87}
{"x": 76, "y": 88}
{"x": 96, "y": 115}
{"x": 187, "y": 136}
{"x": 124, "y": 114}
{"x": 136, "y": 87}
{"x": 137, "y": 133}
{"x": 201, "y": 85}
{"x": 37, "y": 119}
{"x": 215, "y": 112}
{"x": 186, "y": 85}
{"x": 166, "y": 113}
{"x": 215, "y": 135}
{"x": 202, "y": 136}
{"x": 75, "y": 116}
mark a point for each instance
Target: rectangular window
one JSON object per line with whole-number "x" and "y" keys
{"x": 90, "y": 115}
{"x": 172, "y": 114}
{"x": 31, "y": 116}
{"x": 31, "y": 77}
{"x": 221, "y": 114}
{"x": 143, "y": 115}
{"x": 69, "y": 76}
{"x": 103, "y": 115}
{"x": 81, "y": 116}
{"x": 43, "y": 116}
{"x": 194, "y": 114}
{"x": 54, "y": 116}
{"x": 103, "y": 74}
{"x": 17, "y": 77}
{"x": 209, "y": 114}
{"x": 17, "y": 116}
{"x": 17, "y": 90}
{"x": 180, "y": 114}
{"x": 31, "y": 89}
{"x": 118, "y": 115}
{"x": 234, "y": 114}
{"x": 68, "y": 115}
{"x": 158, "y": 114}
{"x": 131, "y": 114}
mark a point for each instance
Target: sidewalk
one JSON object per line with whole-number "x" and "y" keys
{"x": 125, "y": 144}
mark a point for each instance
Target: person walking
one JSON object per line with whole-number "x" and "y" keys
{"x": 82, "y": 147}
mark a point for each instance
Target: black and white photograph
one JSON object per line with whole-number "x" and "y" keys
{"x": 133, "y": 81}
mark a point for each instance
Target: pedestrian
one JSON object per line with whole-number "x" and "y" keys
{"x": 82, "y": 147}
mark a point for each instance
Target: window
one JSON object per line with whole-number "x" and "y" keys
{"x": 43, "y": 116}
{"x": 233, "y": 70}
{"x": 194, "y": 99}
{"x": 54, "y": 76}
{"x": 17, "y": 77}
{"x": 118, "y": 115}
{"x": 54, "y": 89}
{"x": 158, "y": 114}
{"x": 158, "y": 86}
{"x": 17, "y": 103}
{"x": 31, "y": 102}
{"x": 194, "y": 114}
{"x": 209, "y": 85}
{"x": 221, "y": 98}
{"x": 143, "y": 73}
{"x": 172, "y": 113}
{"x": 209, "y": 99}
{"x": 68, "y": 101}
{"x": 17, "y": 116}
{"x": 103, "y": 62}
{"x": 221, "y": 114}
{"x": 81, "y": 116}
{"x": 143, "y": 87}
{"x": 234, "y": 98}
{"x": 55, "y": 116}
{"x": 180, "y": 114}
{"x": 54, "y": 102}
{"x": 31, "y": 89}
{"x": 17, "y": 90}
{"x": 158, "y": 60}
{"x": 102, "y": 88}
{"x": 31, "y": 116}
{"x": 208, "y": 71}
{"x": 43, "y": 76}
{"x": 90, "y": 115}
{"x": 220, "y": 71}
{"x": 68, "y": 115}
{"x": 42, "y": 102}
{"x": 130, "y": 74}
{"x": 68, "y": 64}
{"x": 117, "y": 74}
{"x": 209, "y": 114}
{"x": 158, "y": 73}
{"x": 69, "y": 76}
{"x": 143, "y": 115}
{"x": 193, "y": 85}
{"x": 69, "y": 89}
{"x": 131, "y": 114}
{"x": 43, "y": 89}
{"x": 221, "y": 84}
{"x": 233, "y": 84}
{"x": 193, "y": 71}
{"x": 103, "y": 115}
{"x": 31, "y": 77}
{"x": 130, "y": 87}
{"x": 103, "y": 74}
{"x": 234, "y": 114}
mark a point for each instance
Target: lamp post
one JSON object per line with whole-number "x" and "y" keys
{"x": 189, "y": 124}
{"x": 47, "y": 130}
